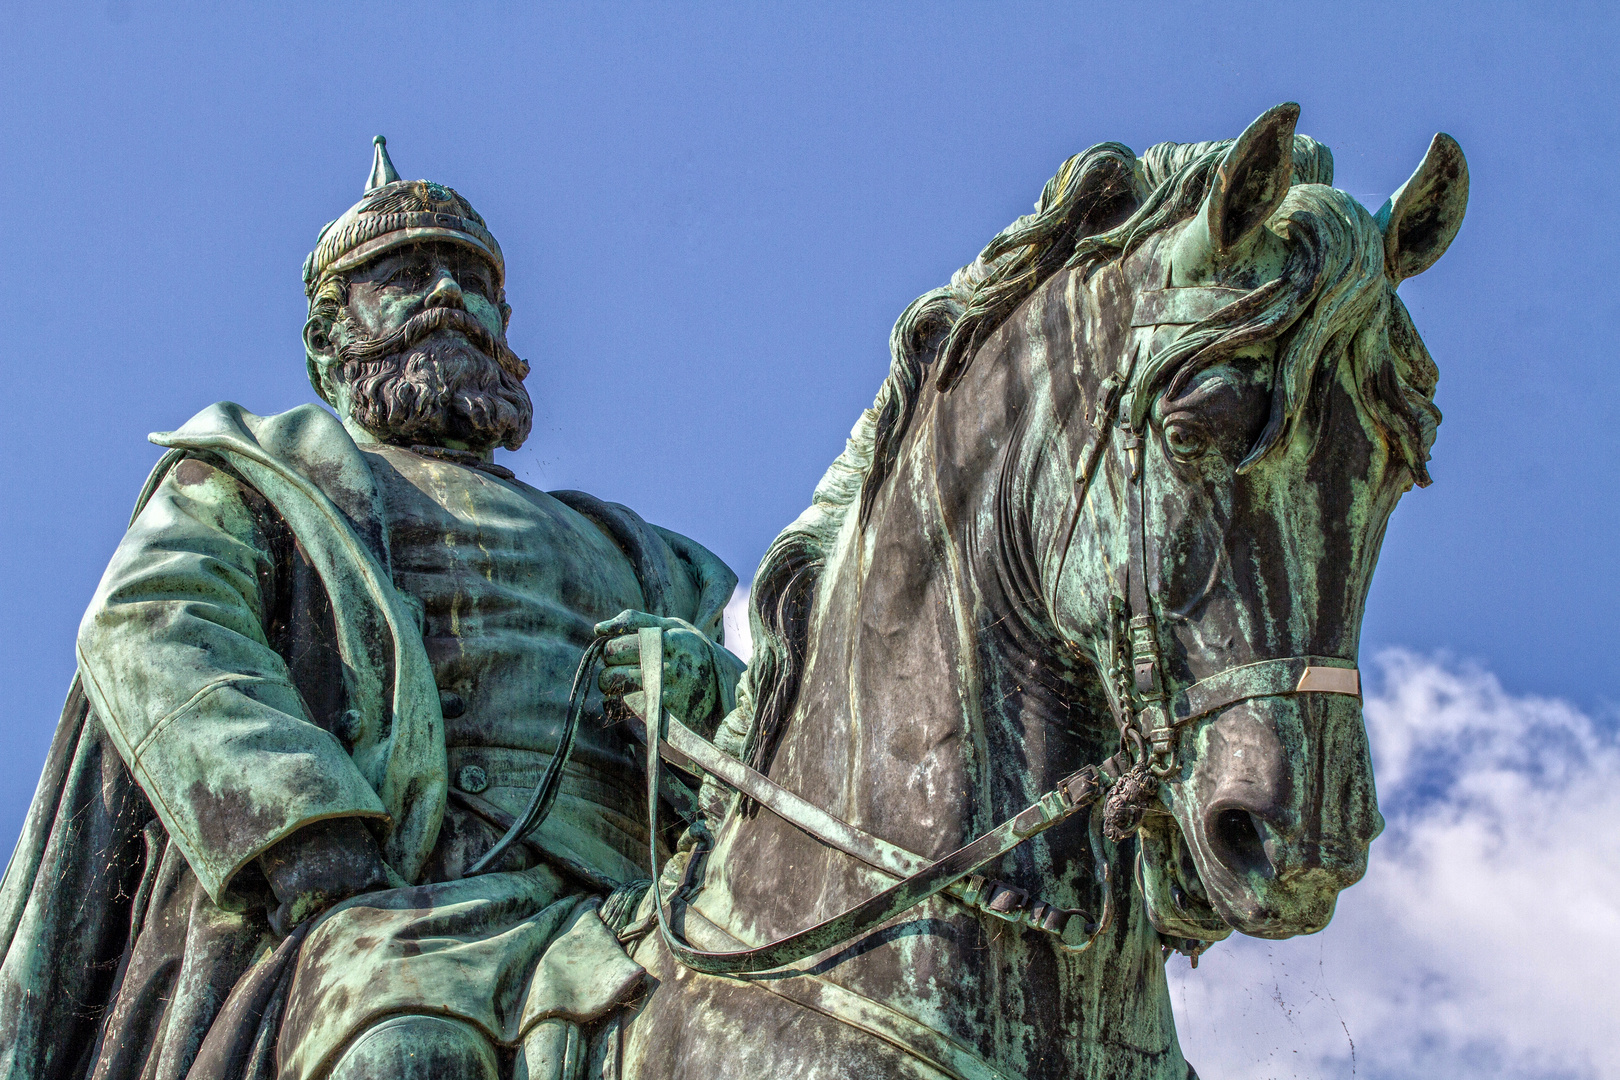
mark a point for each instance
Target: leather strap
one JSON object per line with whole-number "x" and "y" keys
{"x": 1051, "y": 808}
{"x": 806, "y": 816}
{"x": 808, "y": 990}
{"x": 1265, "y": 678}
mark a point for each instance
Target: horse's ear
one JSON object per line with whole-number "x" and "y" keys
{"x": 1248, "y": 186}
{"x": 1422, "y": 218}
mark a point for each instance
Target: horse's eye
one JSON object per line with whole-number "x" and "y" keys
{"x": 1186, "y": 441}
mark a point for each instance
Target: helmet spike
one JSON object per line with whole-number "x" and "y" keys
{"x": 382, "y": 170}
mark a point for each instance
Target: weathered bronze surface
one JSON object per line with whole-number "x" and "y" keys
{"x": 326, "y": 664}
{"x": 1124, "y": 488}
{"x": 1089, "y": 576}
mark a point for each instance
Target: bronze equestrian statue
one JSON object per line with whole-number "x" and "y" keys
{"x": 1057, "y": 675}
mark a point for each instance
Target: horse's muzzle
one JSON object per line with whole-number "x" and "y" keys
{"x": 1279, "y": 810}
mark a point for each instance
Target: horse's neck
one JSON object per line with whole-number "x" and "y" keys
{"x": 935, "y": 704}
{"x": 937, "y": 700}
{"x": 880, "y": 730}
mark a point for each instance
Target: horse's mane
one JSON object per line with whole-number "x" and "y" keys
{"x": 1102, "y": 205}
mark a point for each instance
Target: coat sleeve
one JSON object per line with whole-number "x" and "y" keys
{"x": 175, "y": 661}
{"x": 712, "y": 581}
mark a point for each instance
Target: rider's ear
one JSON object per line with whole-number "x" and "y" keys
{"x": 1248, "y": 186}
{"x": 318, "y": 341}
{"x": 1421, "y": 219}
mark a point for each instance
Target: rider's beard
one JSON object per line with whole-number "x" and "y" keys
{"x": 441, "y": 377}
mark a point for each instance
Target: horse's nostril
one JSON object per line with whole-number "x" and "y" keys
{"x": 1240, "y": 841}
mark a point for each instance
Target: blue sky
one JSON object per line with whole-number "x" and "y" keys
{"x": 713, "y": 214}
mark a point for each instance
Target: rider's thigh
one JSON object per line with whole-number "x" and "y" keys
{"x": 418, "y": 1048}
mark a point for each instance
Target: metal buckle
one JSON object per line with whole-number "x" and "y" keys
{"x": 1081, "y": 788}
{"x": 1007, "y": 901}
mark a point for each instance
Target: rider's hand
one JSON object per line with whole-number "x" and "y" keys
{"x": 319, "y": 865}
{"x": 691, "y": 686}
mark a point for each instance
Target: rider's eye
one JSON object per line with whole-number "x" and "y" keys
{"x": 405, "y": 277}
{"x": 1185, "y": 440}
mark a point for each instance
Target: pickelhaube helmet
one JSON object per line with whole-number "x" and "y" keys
{"x": 394, "y": 212}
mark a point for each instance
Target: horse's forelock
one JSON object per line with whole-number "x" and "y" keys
{"x": 1332, "y": 305}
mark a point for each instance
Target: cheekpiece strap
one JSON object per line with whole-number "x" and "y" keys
{"x": 1158, "y": 712}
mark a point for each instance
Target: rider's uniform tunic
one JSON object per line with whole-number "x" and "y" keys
{"x": 234, "y": 731}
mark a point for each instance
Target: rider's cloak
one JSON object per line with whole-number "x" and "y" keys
{"x": 132, "y": 913}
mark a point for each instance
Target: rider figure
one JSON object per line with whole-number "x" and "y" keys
{"x": 333, "y": 656}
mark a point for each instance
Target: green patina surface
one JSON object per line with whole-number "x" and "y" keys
{"x": 1130, "y": 464}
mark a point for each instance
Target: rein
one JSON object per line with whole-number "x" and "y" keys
{"x": 545, "y": 792}
{"x": 1148, "y": 713}
{"x": 675, "y": 740}
{"x": 919, "y": 878}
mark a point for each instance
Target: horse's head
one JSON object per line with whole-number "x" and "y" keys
{"x": 1195, "y": 403}
{"x": 1266, "y": 404}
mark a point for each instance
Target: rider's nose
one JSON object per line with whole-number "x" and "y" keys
{"x": 446, "y": 292}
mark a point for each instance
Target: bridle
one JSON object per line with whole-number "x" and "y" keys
{"x": 1148, "y": 711}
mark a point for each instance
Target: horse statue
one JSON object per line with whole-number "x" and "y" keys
{"x": 1087, "y": 585}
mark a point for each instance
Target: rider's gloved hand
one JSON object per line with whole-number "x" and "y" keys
{"x": 319, "y": 865}
{"x": 693, "y": 669}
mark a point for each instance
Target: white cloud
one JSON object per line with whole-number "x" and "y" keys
{"x": 738, "y": 639}
{"x": 1485, "y": 939}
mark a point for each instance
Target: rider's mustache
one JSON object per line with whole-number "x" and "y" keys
{"x": 426, "y": 323}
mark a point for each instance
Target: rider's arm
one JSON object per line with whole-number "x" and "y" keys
{"x": 176, "y": 662}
